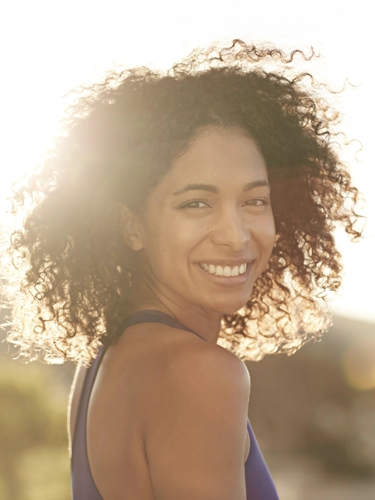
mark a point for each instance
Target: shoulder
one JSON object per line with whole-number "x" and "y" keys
{"x": 184, "y": 365}
{"x": 213, "y": 362}
{"x": 198, "y": 418}
{"x": 203, "y": 378}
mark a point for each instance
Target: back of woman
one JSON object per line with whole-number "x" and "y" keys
{"x": 142, "y": 476}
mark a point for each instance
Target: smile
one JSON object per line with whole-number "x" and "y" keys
{"x": 226, "y": 271}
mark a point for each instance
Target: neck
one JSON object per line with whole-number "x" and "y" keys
{"x": 206, "y": 324}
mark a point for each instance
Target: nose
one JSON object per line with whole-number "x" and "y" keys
{"x": 231, "y": 229}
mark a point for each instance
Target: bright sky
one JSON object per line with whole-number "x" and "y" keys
{"x": 49, "y": 46}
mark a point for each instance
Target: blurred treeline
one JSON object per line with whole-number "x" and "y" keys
{"x": 313, "y": 415}
{"x": 34, "y": 460}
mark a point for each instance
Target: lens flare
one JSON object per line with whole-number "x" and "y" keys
{"x": 359, "y": 365}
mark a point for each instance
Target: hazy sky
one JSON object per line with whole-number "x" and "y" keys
{"x": 49, "y": 46}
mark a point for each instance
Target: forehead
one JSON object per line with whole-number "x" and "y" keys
{"x": 218, "y": 156}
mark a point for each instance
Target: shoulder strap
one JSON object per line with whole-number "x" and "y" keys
{"x": 154, "y": 316}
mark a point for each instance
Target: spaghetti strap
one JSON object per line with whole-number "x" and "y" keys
{"x": 154, "y": 316}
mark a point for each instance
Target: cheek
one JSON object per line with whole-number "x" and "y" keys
{"x": 268, "y": 235}
{"x": 163, "y": 245}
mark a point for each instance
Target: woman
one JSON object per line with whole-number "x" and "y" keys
{"x": 182, "y": 223}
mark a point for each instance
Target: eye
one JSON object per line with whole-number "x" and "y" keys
{"x": 257, "y": 202}
{"x": 194, "y": 204}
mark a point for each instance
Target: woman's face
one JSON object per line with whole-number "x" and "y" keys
{"x": 208, "y": 230}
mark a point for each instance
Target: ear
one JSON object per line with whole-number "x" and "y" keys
{"x": 131, "y": 228}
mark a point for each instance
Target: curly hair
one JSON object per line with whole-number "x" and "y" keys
{"x": 71, "y": 268}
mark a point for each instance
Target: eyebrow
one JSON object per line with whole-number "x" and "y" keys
{"x": 214, "y": 189}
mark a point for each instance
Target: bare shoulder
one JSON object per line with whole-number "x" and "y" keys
{"x": 186, "y": 366}
{"x": 196, "y": 434}
{"x": 213, "y": 366}
{"x": 209, "y": 364}
{"x": 203, "y": 370}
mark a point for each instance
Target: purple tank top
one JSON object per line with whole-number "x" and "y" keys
{"x": 259, "y": 484}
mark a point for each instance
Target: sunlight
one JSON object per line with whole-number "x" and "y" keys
{"x": 359, "y": 365}
{"x": 53, "y": 46}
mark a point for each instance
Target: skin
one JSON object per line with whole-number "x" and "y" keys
{"x": 222, "y": 224}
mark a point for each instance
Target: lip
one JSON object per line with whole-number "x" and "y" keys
{"x": 227, "y": 280}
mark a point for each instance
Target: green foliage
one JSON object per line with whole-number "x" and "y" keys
{"x": 45, "y": 474}
{"x": 34, "y": 463}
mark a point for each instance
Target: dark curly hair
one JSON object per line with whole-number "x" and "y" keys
{"x": 71, "y": 267}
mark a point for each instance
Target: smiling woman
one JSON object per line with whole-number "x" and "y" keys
{"x": 208, "y": 228}
{"x": 179, "y": 213}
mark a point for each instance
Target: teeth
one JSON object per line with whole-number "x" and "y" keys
{"x": 227, "y": 271}
{"x": 224, "y": 271}
{"x": 219, "y": 271}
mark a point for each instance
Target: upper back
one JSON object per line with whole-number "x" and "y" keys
{"x": 180, "y": 407}
{"x": 163, "y": 394}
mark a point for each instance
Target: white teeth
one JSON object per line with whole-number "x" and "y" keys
{"x": 219, "y": 271}
{"x": 224, "y": 271}
{"x": 227, "y": 271}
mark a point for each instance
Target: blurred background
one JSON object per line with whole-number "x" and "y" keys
{"x": 313, "y": 413}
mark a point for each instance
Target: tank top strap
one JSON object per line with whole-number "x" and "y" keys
{"x": 154, "y": 316}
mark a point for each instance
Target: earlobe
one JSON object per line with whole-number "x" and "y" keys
{"x": 130, "y": 229}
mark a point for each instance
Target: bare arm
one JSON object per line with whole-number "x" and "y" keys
{"x": 197, "y": 436}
